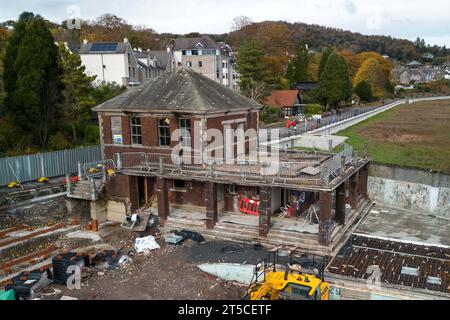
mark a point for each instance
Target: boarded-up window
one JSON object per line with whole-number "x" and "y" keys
{"x": 116, "y": 130}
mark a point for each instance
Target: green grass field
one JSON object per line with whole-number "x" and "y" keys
{"x": 416, "y": 135}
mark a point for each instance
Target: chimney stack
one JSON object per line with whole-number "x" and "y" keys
{"x": 125, "y": 40}
{"x": 85, "y": 41}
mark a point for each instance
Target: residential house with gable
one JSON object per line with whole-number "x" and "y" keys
{"x": 117, "y": 62}
{"x": 207, "y": 57}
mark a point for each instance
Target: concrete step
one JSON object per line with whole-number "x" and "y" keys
{"x": 242, "y": 237}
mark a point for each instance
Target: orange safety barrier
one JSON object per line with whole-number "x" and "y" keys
{"x": 249, "y": 206}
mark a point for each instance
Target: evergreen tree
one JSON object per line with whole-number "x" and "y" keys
{"x": 250, "y": 63}
{"x": 324, "y": 59}
{"x": 364, "y": 91}
{"x": 252, "y": 70}
{"x": 297, "y": 70}
{"x": 76, "y": 94}
{"x": 34, "y": 98}
{"x": 11, "y": 51}
{"x": 334, "y": 86}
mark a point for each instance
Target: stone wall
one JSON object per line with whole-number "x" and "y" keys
{"x": 410, "y": 188}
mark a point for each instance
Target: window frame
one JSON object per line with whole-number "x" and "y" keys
{"x": 138, "y": 128}
{"x": 167, "y": 135}
{"x": 189, "y": 129}
{"x": 116, "y": 130}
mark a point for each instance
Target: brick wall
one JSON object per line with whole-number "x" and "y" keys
{"x": 150, "y": 135}
{"x": 232, "y": 201}
{"x": 193, "y": 195}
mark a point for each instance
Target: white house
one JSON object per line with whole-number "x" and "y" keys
{"x": 207, "y": 57}
{"x": 117, "y": 62}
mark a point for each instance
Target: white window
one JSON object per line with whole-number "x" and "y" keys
{"x": 189, "y": 64}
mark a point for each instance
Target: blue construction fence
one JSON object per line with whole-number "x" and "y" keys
{"x": 48, "y": 164}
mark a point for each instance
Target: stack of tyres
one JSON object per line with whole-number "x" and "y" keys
{"x": 63, "y": 261}
{"x": 24, "y": 283}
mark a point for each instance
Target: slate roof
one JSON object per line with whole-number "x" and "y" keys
{"x": 191, "y": 43}
{"x": 86, "y": 47}
{"x": 282, "y": 98}
{"x": 162, "y": 57}
{"x": 182, "y": 90}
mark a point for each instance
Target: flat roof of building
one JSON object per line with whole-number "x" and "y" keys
{"x": 405, "y": 225}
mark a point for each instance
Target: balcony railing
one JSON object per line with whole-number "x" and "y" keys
{"x": 264, "y": 170}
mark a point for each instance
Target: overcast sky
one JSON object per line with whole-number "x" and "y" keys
{"x": 400, "y": 18}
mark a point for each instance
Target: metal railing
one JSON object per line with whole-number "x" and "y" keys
{"x": 95, "y": 168}
{"x": 332, "y": 167}
{"x": 284, "y": 172}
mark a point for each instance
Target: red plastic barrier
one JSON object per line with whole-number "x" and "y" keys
{"x": 249, "y": 206}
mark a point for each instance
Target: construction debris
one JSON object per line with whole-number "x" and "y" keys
{"x": 172, "y": 238}
{"x": 242, "y": 273}
{"x": 146, "y": 244}
{"x": 186, "y": 234}
{"x": 27, "y": 283}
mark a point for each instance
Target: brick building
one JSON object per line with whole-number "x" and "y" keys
{"x": 309, "y": 200}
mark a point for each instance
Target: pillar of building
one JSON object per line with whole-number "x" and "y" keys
{"x": 265, "y": 197}
{"x": 325, "y": 203}
{"x": 340, "y": 204}
{"x": 353, "y": 190}
{"x": 211, "y": 204}
{"x": 163, "y": 199}
{"x": 363, "y": 175}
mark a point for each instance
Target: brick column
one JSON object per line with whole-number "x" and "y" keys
{"x": 363, "y": 175}
{"x": 325, "y": 202}
{"x": 265, "y": 197}
{"x": 163, "y": 199}
{"x": 211, "y": 204}
{"x": 340, "y": 204}
{"x": 353, "y": 190}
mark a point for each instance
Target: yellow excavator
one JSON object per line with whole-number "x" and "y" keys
{"x": 289, "y": 275}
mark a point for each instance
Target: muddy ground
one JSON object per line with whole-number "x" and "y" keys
{"x": 170, "y": 272}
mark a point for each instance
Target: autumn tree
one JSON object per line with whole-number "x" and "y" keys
{"x": 334, "y": 85}
{"x": 275, "y": 41}
{"x": 76, "y": 93}
{"x": 353, "y": 62}
{"x": 384, "y": 64}
{"x": 372, "y": 72}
